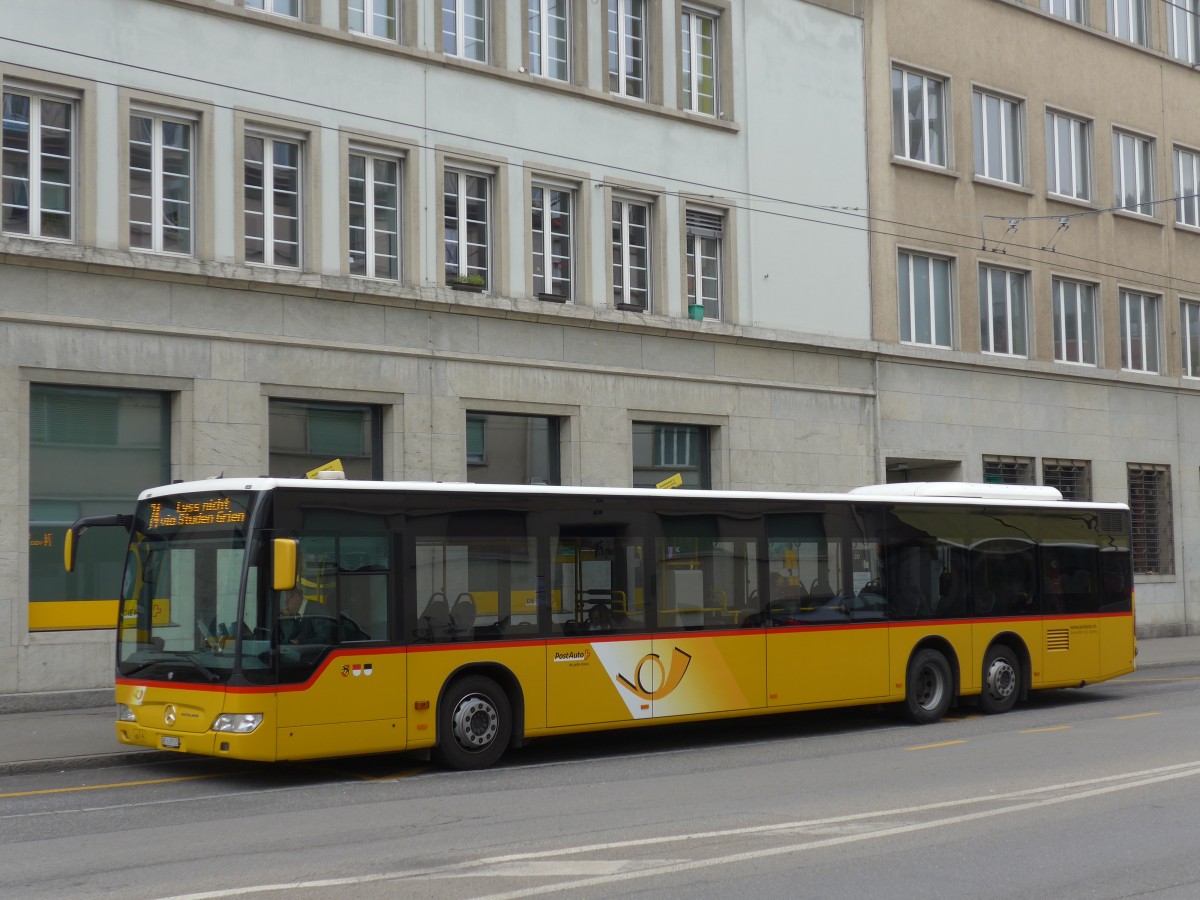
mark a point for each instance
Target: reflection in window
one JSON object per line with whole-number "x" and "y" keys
{"x": 306, "y": 435}
{"x": 662, "y": 450}
{"x": 376, "y": 18}
{"x": 474, "y": 587}
{"x": 507, "y": 448}
{"x": 38, "y": 148}
{"x": 1074, "y": 321}
{"x": 925, "y": 299}
{"x": 1139, "y": 332}
{"x": 918, "y": 122}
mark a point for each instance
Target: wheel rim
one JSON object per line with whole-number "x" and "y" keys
{"x": 929, "y": 688}
{"x": 1001, "y": 679}
{"x": 475, "y": 722}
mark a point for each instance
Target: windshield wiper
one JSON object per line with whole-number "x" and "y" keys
{"x": 212, "y": 676}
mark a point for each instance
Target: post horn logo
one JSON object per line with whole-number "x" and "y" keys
{"x": 666, "y": 681}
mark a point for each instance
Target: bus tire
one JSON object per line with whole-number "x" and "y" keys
{"x": 474, "y": 723}
{"x": 928, "y": 691}
{"x": 1001, "y": 680}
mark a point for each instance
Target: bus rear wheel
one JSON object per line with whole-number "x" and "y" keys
{"x": 1001, "y": 680}
{"x": 474, "y": 723}
{"x": 928, "y": 692}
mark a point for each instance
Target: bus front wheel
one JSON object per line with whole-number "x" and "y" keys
{"x": 474, "y": 723}
{"x": 1001, "y": 680}
{"x": 928, "y": 692}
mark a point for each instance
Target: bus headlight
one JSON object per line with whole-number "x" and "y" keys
{"x": 237, "y": 723}
{"x": 125, "y": 714}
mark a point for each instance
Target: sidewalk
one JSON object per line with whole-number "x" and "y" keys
{"x": 51, "y": 740}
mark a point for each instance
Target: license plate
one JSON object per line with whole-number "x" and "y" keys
{"x": 171, "y": 743}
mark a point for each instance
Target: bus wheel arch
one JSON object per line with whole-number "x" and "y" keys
{"x": 477, "y": 717}
{"x": 930, "y": 684}
{"x": 1005, "y": 675}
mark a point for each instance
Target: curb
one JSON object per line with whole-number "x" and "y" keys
{"x": 94, "y": 761}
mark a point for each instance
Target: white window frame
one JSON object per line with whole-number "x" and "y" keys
{"x": 461, "y": 266}
{"x": 1127, "y": 20}
{"x": 159, "y": 203}
{"x": 367, "y": 17}
{"x": 931, "y": 124}
{"x": 36, "y": 186}
{"x": 621, "y": 45}
{"x": 271, "y": 220}
{"x": 542, "y": 41}
{"x": 455, "y": 43}
{"x": 1189, "y": 337}
{"x": 938, "y": 306}
{"x": 543, "y": 241}
{"x": 1187, "y": 187}
{"x": 1015, "y": 306}
{"x": 371, "y": 210}
{"x": 1068, "y": 154}
{"x": 1071, "y": 10}
{"x": 999, "y": 124}
{"x": 1133, "y": 160}
{"x": 1074, "y": 314}
{"x": 693, "y": 56}
{"x": 623, "y": 270}
{"x": 278, "y": 7}
{"x": 704, "y": 238}
{"x": 1183, "y": 29}
{"x": 1140, "y": 310}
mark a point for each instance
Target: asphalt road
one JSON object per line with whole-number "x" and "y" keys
{"x": 1077, "y": 794}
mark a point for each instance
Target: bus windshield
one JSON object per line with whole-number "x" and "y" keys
{"x": 181, "y": 590}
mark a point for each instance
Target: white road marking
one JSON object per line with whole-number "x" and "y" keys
{"x": 617, "y": 871}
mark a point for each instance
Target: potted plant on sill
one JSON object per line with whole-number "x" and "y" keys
{"x": 473, "y": 283}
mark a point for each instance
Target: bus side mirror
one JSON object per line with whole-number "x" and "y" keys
{"x": 69, "y": 550}
{"x": 283, "y": 565}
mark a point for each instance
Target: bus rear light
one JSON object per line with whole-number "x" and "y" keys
{"x": 238, "y": 723}
{"x": 125, "y": 714}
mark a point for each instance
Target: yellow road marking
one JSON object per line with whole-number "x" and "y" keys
{"x": 1139, "y": 715}
{"x": 119, "y": 784}
{"x": 935, "y": 746}
{"x": 1052, "y": 728}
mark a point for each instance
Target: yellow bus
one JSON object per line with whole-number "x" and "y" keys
{"x": 274, "y": 619}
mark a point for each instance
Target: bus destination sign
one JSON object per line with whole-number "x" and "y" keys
{"x": 217, "y": 510}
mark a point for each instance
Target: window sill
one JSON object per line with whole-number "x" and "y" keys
{"x": 468, "y": 288}
{"x": 629, "y": 307}
{"x": 1003, "y": 185}
{"x": 553, "y": 298}
{"x": 1072, "y": 201}
{"x": 907, "y": 163}
{"x": 1137, "y": 217}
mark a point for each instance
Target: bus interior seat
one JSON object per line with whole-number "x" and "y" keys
{"x": 435, "y": 620}
{"x": 462, "y": 615}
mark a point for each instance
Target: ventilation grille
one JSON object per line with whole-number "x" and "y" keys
{"x": 1058, "y": 639}
{"x": 1112, "y": 521}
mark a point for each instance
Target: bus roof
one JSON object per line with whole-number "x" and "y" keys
{"x": 948, "y": 493}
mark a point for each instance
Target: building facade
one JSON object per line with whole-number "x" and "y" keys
{"x": 562, "y": 242}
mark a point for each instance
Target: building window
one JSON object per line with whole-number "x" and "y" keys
{"x": 464, "y": 29}
{"x": 279, "y": 7}
{"x": 1153, "y": 536}
{"x": 627, "y": 48}
{"x": 551, "y": 209}
{"x": 661, "y": 450}
{"x": 272, "y": 176}
{"x": 918, "y": 121}
{"x": 925, "y": 299}
{"x": 1074, "y": 321}
{"x": 374, "y": 18}
{"x": 1183, "y": 28}
{"x": 549, "y": 28}
{"x": 506, "y": 448}
{"x": 1187, "y": 187}
{"x": 1069, "y": 156}
{"x": 160, "y": 184}
{"x": 631, "y": 255}
{"x": 1139, "y": 332}
{"x": 1189, "y": 316}
{"x": 38, "y": 152}
{"x": 698, "y": 46}
{"x": 1133, "y": 172}
{"x": 1008, "y": 470}
{"x": 1072, "y": 478}
{"x": 1002, "y": 311}
{"x": 1127, "y": 20}
{"x": 705, "y": 231}
{"x": 92, "y": 450}
{"x": 306, "y": 435}
{"x": 374, "y": 199}
{"x": 998, "y": 139}
{"x": 466, "y": 223}
{"x": 1072, "y": 10}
